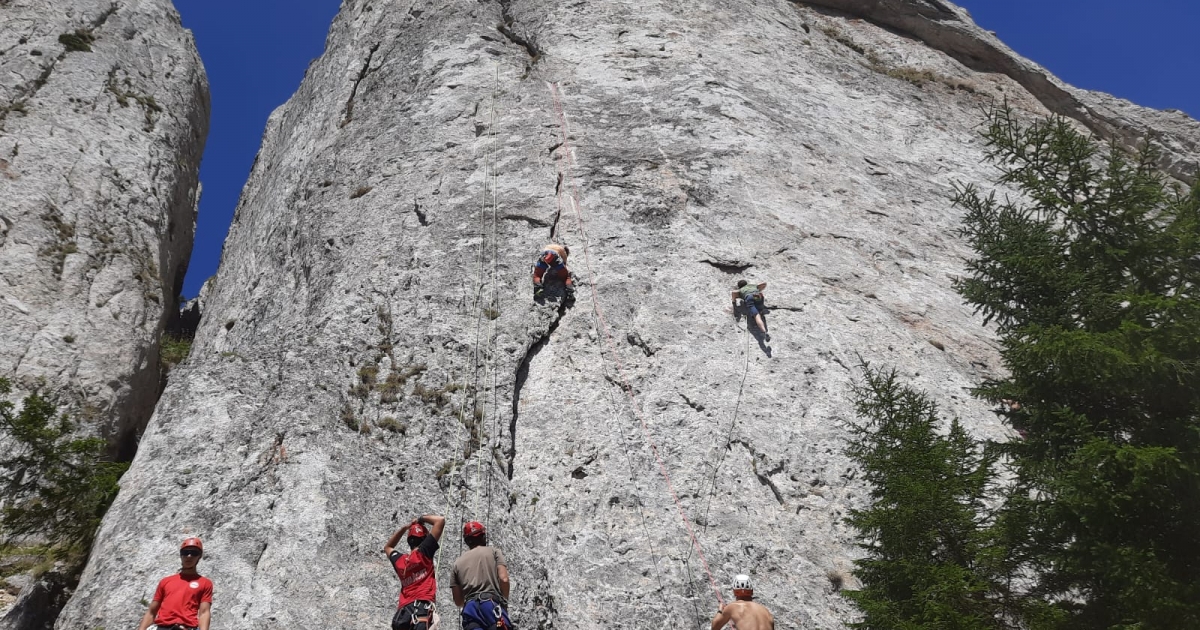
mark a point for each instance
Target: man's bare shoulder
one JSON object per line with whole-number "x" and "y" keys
{"x": 751, "y": 616}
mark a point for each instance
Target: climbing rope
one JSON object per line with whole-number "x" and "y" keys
{"x": 603, "y": 324}
{"x": 495, "y": 434}
{"x": 732, "y": 423}
{"x": 473, "y": 429}
{"x": 633, "y": 478}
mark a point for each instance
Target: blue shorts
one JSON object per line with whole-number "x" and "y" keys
{"x": 754, "y": 306}
{"x": 484, "y": 614}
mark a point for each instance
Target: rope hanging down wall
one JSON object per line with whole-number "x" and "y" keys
{"x": 569, "y": 159}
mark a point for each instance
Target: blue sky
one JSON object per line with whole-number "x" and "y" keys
{"x": 256, "y": 52}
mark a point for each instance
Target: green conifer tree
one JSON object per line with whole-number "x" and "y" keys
{"x": 924, "y": 533}
{"x": 57, "y": 485}
{"x": 1092, "y": 280}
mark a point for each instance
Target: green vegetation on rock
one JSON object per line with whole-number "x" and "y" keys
{"x": 173, "y": 350}
{"x": 1091, "y": 282}
{"x": 79, "y": 41}
{"x": 924, "y": 534}
{"x": 57, "y": 484}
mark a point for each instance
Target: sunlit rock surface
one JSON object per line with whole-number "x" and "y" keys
{"x": 373, "y": 309}
{"x": 103, "y": 115}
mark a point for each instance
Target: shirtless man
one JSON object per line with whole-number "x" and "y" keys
{"x": 745, "y": 614}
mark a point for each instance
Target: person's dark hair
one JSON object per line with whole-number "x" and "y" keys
{"x": 415, "y": 541}
{"x": 475, "y": 541}
{"x": 741, "y": 283}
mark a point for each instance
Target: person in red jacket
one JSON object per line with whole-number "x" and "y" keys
{"x": 182, "y": 600}
{"x": 418, "y": 585}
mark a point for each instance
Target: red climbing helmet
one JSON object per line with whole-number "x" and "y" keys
{"x": 473, "y": 529}
{"x": 417, "y": 530}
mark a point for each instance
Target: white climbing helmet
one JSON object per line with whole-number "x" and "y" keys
{"x": 742, "y": 583}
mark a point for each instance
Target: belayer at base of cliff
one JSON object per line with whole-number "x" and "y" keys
{"x": 480, "y": 584}
{"x": 418, "y": 584}
{"x": 744, "y": 613}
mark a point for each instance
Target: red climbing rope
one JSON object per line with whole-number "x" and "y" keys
{"x": 612, "y": 348}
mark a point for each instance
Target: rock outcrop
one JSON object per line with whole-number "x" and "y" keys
{"x": 370, "y": 349}
{"x": 103, "y": 116}
{"x": 949, "y": 29}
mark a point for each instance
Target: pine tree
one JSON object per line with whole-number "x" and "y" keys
{"x": 924, "y": 534}
{"x": 1091, "y": 281}
{"x": 57, "y": 485}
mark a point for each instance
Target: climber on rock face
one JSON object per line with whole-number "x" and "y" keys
{"x": 418, "y": 585}
{"x": 479, "y": 582}
{"x": 750, "y": 296}
{"x": 552, "y": 265}
{"x": 744, "y": 613}
{"x": 182, "y": 600}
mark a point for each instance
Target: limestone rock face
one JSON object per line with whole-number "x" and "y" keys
{"x": 370, "y": 348}
{"x": 103, "y": 115}
{"x": 949, "y": 29}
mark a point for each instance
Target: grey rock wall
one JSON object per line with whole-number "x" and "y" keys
{"x": 103, "y": 115}
{"x": 949, "y": 29}
{"x": 370, "y": 349}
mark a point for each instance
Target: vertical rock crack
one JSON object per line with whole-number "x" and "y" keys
{"x": 362, "y": 74}
{"x": 522, "y": 375}
{"x": 528, "y": 42}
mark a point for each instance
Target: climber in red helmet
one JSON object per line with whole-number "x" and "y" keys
{"x": 183, "y": 599}
{"x": 744, "y": 613}
{"x": 552, "y": 265}
{"x": 418, "y": 585}
{"x": 479, "y": 582}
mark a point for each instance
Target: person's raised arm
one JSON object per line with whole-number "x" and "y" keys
{"x": 722, "y": 618}
{"x": 437, "y": 524}
{"x": 391, "y": 543}
{"x": 148, "y": 618}
{"x": 204, "y": 615}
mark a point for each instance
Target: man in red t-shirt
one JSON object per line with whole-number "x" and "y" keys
{"x": 418, "y": 586}
{"x": 182, "y": 600}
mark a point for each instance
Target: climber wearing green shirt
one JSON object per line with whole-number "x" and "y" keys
{"x": 750, "y": 296}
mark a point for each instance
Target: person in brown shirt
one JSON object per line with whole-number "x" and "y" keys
{"x": 744, "y": 613}
{"x": 479, "y": 582}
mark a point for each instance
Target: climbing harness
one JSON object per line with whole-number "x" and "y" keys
{"x": 416, "y": 615}
{"x": 486, "y": 611}
{"x": 569, "y": 161}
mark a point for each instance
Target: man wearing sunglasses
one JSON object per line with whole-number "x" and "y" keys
{"x": 182, "y": 601}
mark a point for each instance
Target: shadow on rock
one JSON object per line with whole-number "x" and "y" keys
{"x": 761, "y": 336}
{"x": 39, "y": 603}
